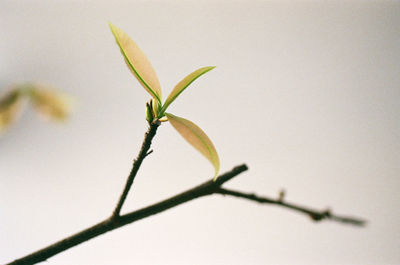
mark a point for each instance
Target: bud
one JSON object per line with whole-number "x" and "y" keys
{"x": 156, "y": 108}
{"x": 281, "y": 195}
{"x": 149, "y": 113}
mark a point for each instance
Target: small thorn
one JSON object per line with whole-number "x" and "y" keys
{"x": 327, "y": 212}
{"x": 149, "y": 152}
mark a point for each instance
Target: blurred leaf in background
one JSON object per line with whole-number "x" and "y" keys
{"x": 47, "y": 101}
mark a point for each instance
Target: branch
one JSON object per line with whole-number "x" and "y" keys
{"x": 144, "y": 151}
{"x": 313, "y": 214}
{"x": 207, "y": 188}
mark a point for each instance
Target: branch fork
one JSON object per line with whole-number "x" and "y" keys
{"x": 212, "y": 186}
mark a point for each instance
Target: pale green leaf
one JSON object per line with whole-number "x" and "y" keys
{"x": 184, "y": 83}
{"x": 196, "y": 137}
{"x": 137, "y": 62}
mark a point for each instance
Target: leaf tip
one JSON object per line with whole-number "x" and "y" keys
{"x": 208, "y": 68}
{"x": 197, "y": 138}
{"x": 111, "y": 26}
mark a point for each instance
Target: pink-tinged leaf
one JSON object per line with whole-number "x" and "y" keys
{"x": 137, "y": 62}
{"x": 197, "y": 138}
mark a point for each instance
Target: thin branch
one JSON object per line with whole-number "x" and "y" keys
{"x": 315, "y": 215}
{"x": 204, "y": 189}
{"x": 144, "y": 151}
{"x": 207, "y": 188}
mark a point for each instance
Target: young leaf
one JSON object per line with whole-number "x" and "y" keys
{"x": 197, "y": 138}
{"x": 138, "y": 63}
{"x": 184, "y": 83}
{"x": 49, "y": 103}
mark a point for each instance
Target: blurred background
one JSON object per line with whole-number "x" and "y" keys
{"x": 306, "y": 93}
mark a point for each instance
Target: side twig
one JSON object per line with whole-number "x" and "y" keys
{"x": 315, "y": 215}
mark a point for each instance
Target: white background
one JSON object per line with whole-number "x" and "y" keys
{"x": 306, "y": 93}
